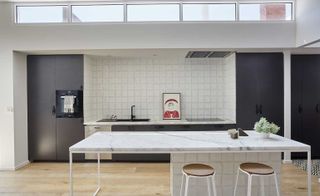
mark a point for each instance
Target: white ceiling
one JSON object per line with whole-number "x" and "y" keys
{"x": 35, "y": 1}
{"x": 315, "y": 45}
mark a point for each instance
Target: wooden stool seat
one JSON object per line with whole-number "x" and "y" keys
{"x": 200, "y": 170}
{"x": 257, "y": 168}
{"x": 196, "y": 171}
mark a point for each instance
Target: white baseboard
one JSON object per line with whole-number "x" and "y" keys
{"x": 7, "y": 169}
{"x": 21, "y": 165}
{"x": 287, "y": 161}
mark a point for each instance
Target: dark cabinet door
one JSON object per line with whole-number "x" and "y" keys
{"x": 69, "y": 132}
{"x": 309, "y": 102}
{"x": 270, "y": 72}
{"x": 69, "y": 72}
{"x": 248, "y": 98}
{"x": 259, "y": 88}
{"x": 306, "y": 102}
{"x": 41, "y": 100}
{"x": 296, "y": 102}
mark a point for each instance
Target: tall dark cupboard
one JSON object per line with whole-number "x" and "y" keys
{"x": 305, "y": 102}
{"x": 259, "y": 88}
{"x": 49, "y": 137}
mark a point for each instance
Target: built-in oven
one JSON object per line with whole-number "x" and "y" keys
{"x": 69, "y": 104}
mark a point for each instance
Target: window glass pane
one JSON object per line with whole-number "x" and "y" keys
{"x": 265, "y": 11}
{"x": 209, "y": 12}
{"x": 168, "y": 12}
{"x": 97, "y": 13}
{"x": 41, "y": 14}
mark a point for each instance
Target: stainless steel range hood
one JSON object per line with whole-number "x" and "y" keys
{"x": 208, "y": 54}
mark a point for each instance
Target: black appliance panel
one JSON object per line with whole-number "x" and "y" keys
{"x": 69, "y": 104}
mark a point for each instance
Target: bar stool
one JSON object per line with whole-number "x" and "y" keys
{"x": 198, "y": 170}
{"x": 259, "y": 170}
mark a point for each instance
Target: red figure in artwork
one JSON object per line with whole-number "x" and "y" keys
{"x": 171, "y": 112}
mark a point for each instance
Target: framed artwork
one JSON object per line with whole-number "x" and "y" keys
{"x": 171, "y": 106}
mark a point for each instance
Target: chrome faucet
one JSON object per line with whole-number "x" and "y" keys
{"x": 113, "y": 117}
{"x": 133, "y": 116}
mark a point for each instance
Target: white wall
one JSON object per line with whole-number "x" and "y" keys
{"x": 20, "y": 109}
{"x": 6, "y": 111}
{"x": 119, "y": 83}
{"x": 308, "y": 21}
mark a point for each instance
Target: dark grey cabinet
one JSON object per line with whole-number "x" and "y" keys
{"x": 305, "y": 102}
{"x": 259, "y": 87}
{"x": 194, "y": 127}
{"x": 49, "y": 137}
{"x": 69, "y": 131}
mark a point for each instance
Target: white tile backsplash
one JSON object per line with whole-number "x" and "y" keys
{"x": 229, "y": 89}
{"x": 90, "y": 104}
{"x": 112, "y": 85}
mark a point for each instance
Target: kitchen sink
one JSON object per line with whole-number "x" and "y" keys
{"x": 124, "y": 120}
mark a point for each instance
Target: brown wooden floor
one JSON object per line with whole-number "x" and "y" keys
{"x": 134, "y": 179}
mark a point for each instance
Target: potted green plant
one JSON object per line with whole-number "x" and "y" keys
{"x": 265, "y": 127}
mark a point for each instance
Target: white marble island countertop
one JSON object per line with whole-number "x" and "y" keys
{"x": 160, "y": 122}
{"x": 176, "y": 142}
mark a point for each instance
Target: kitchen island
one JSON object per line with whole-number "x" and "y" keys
{"x": 215, "y": 148}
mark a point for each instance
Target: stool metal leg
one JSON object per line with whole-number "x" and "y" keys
{"x": 209, "y": 186}
{"x": 262, "y": 185}
{"x": 262, "y": 188}
{"x": 276, "y": 182}
{"x": 186, "y": 186}
{"x": 183, "y": 185}
{"x": 235, "y": 187}
{"x": 214, "y": 186}
{"x": 249, "y": 185}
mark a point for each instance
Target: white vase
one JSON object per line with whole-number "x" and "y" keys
{"x": 265, "y": 135}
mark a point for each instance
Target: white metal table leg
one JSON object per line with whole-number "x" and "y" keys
{"x": 70, "y": 174}
{"x": 309, "y": 173}
{"x": 186, "y": 186}
{"x": 276, "y": 183}
{"x": 98, "y": 172}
